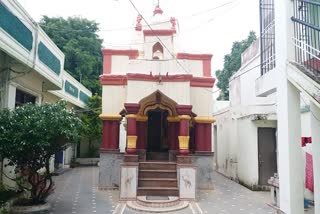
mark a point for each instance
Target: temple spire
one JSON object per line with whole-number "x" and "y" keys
{"x": 157, "y": 10}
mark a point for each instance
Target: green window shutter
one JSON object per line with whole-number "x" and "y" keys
{"x": 84, "y": 97}
{"x": 71, "y": 89}
{"x": 15, "y": 27}
{"x": 49, "y": 59}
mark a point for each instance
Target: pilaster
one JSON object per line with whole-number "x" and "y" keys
{"x": 203, "y": 134}
{"x": 110, "y": 132}
{"x": 315, "y": 127}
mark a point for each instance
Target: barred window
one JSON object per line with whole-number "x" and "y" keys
{"x": 267, "y": 35}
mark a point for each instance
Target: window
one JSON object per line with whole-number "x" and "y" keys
{"x": 157, "y": 51}
{"x": 23, "y": 98}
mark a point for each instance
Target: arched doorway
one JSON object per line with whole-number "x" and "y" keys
{"x": 157, "y": 133}
{"x": 157, "y": 107}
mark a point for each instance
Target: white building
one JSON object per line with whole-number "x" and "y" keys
{"x": 32, "y": 67}
{"x": 245, "y": 132}
{"x": 289, "y": 71}
{"x": 290, "y": 58}
{"x": 165, "y": 96}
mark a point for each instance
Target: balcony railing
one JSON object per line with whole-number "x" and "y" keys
{"x": 267, "y": 39}
{"x": 307, "y": 36}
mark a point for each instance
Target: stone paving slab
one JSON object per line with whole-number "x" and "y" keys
{"x": 77, "y": 193}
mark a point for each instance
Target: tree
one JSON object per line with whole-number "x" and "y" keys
{"x": 77, "y": 38}
{"x": 29, "y": 136}
{"x": 91, "y": 123}
{"x": 232, "y": 63}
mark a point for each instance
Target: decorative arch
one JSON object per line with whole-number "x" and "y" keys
{"x": 157, "y": 100}
{"x": 157, "y": 51}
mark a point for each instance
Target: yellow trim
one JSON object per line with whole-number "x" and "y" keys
{"x": 131, "y": 116}
{"x": 141, "y": 118}
{"x": 204, "y": 119}
{"x": 173, "y": 119}
{"x": 184, "y": 142}
{"x": 110, "y": 117}
{"x": 132, "y": 142}
{"x": 184, "y": 117}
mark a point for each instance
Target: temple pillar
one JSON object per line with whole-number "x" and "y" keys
{"x": 184, "y": 135}
{"x": 184, "y": 112}
{"x": 132, "y": 110}
{"x": 203, "y": 134}
{"x": 110, "y": 132}
{"x": 141, "y": 131}
{"x": 173, "y": 133}
{"x": 131, "y": 134}
{"x": 110, "y": 157}
{"x": 173, "y": 124}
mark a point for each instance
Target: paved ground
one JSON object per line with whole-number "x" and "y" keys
{"x": 77, "y": 193}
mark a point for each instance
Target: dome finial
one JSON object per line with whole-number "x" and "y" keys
{"x": 157, "y": 10}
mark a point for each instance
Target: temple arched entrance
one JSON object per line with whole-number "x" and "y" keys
{"x": 157, "y": 107}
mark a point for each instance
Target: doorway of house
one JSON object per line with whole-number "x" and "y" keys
{"x": 157, "y": 135}
{"x": 267, "y": 156}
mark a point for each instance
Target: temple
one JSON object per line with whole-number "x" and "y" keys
{"x": 164, "y": 100}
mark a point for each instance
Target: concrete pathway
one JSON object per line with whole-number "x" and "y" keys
{"x": 76, "y": 193}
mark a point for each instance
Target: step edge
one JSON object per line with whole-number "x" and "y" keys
{"x": 158, "y": 188}
{"x": 156, "y": 170}
{"x": 157, "y": 179}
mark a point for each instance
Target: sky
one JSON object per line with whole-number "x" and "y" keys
{"x": 205, "y": 26}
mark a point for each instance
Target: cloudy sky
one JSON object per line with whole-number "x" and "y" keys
{"x": 205, "y": 25}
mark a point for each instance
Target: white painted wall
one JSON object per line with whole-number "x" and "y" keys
{"x": 162, "y": 67}
{"x": 177, "y": 91}
{"x": 242, "y": 91}
{"x": 237, "y": 149}
{"x": 151, "y": 40}
{"x": 113, "y": 98}
{"x": 202, "y": 102}
{"x": 119, "y": 64}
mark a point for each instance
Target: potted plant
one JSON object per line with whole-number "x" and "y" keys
{"x": 30, "y": 135}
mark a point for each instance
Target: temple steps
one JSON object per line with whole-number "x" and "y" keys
{"x": 150, "y": 173}
{"x": 157, "y": 179}
{"x": 158, "y": 165}
{"x": 158, "y": 191}
{"x": 160, "y": 204}
{"x": 159, "y": 182}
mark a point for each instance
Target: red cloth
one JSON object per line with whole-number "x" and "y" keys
{"x": 309, "y": 172}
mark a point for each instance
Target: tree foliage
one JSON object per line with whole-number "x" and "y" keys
{"x": 91, "y": 123}
{"x": 232, "y": 63}
{"x": 29, "y": 136}
{"x": 77, "y": 38}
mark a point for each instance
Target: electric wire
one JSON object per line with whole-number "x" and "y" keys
{"x": 159, "y": 39}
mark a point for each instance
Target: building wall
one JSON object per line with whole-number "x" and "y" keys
{"x": 243, "y": 93}
{"x": 237, "y": 128}
{"x": 177, "y": 91}
{"x": 151, "y": 40}
{"x": 113, "y": 98}
{"x": 201, "y": 101}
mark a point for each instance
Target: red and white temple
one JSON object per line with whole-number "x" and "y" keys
{"x": 166, "y": 98}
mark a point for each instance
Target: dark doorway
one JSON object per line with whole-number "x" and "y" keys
{"x": 267, "y": 154}
{"x": 157, "y": 144}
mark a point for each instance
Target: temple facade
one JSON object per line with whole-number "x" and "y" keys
{"x": 163, "y": 98}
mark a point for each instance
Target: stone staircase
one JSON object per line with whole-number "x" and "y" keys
{"x": 160, "y": 204}
{"x": 157, "y": 178}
